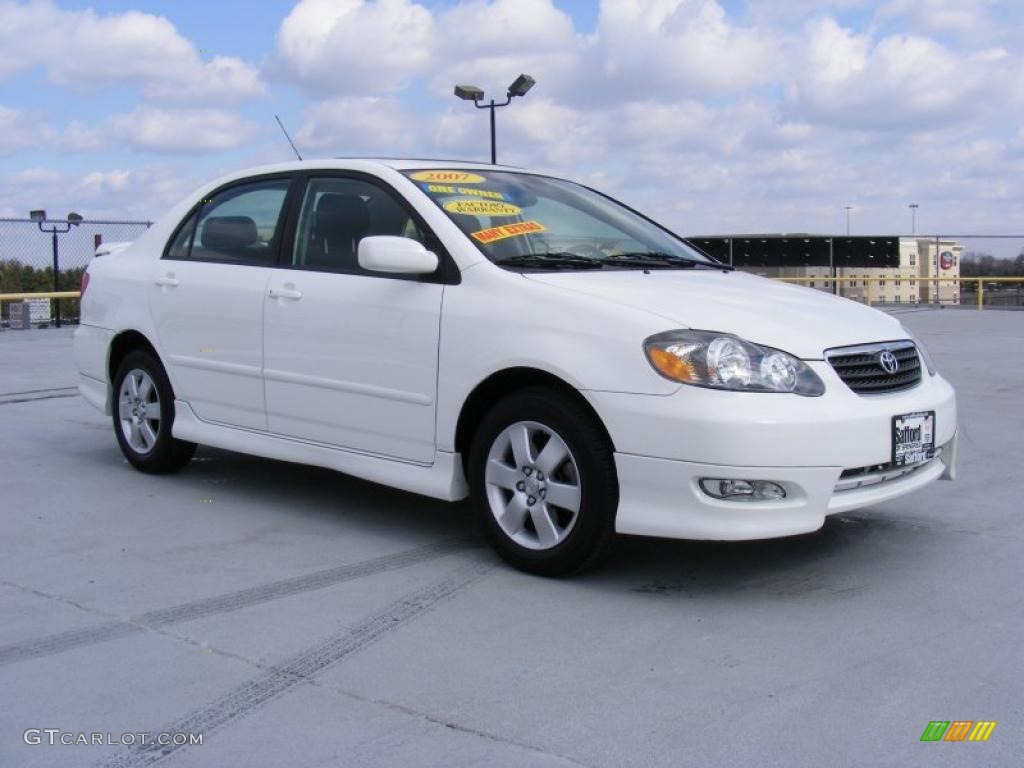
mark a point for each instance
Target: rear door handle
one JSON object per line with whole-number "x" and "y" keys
{"x": 167, "y": 281}
{"x": 284, "y": 293}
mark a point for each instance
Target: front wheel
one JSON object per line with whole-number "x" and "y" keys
{"x": 542, "y": 477}
{"x": 143, "y": 414}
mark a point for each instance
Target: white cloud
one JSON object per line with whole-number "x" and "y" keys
{"x": 901, "y": 81}
{"x": 772, "y": 117}
{"x": 179, "y": 131}
{"x": 20, "y": 129}
{"x": 971, "y": 19}
{"x": 80, "y": 136}
{"x": 666, "y": 48}
{"x": 489, "y": 43}
{"x": 114, "y": 193}
{"x": 354, "y": 46}
{"x": 85, "y": 51}
{"x": 566, "y": 136}
{"x": 357, "y": 125}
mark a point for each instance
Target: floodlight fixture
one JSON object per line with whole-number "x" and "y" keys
{"x": 521, "y": 85}
{"x": 469, "y": 92}
{"x": 55, "y": 228}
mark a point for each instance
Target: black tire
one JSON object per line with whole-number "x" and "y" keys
{"x": 592, "y": 535}
{"x": 166, "y": 454}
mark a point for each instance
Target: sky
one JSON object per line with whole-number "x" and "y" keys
{"x": 715, "y": 117}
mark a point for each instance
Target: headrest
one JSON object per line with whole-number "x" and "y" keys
{"x": 387, "y": 217}
{"x": 342, "y": 216}
{"x": 229, "y": 232}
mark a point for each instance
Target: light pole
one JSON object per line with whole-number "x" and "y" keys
{"x": 913, "y": 217}
{"x": 73, "y": 220}
{"x": 519, "y": 87}
{"x": 848, "y": 209}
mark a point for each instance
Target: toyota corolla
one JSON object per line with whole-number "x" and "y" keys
{"x": 461, "y": 330}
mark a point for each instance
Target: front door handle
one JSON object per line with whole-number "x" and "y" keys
{"x": 167, "y": 281}
{"x": 284, "y": 293}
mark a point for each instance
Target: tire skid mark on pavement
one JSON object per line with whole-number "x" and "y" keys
{"x": 37, "y": 391}
{"x": 303, "y": 667}
{"x": 34, "y": 398}
{"x": 49, "y": 645}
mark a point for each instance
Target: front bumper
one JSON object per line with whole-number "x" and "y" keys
{"x": 662, "y": 497}
{"x": 665, "y": 445}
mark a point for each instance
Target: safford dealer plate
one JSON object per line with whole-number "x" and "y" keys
{"x": 913, "y": 438}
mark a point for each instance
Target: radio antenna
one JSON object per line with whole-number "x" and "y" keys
{"x": 285, "y": 132}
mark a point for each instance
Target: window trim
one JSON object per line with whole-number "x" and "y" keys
{"x": 197, "y": 211}
{"x": 447, "y": 272}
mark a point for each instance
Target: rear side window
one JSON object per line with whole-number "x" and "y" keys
{"x": 236, "y": 226}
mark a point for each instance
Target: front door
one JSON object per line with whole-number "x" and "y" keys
{"x": 207, "y": 299}
{"x": 350, "y": 357}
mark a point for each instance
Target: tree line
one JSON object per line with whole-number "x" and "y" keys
{"x": 976, "y": 264}
{"x": 16, "y": 277}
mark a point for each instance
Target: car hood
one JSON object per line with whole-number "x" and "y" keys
{"x": 799, "y": 320}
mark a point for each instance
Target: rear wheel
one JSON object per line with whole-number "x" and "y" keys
{"x": 143, "y": 414}
{"x": 542, "y": 477}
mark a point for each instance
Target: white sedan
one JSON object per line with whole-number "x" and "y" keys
{"x": 457, "y": 330}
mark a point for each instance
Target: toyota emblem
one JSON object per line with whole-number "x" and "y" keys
{"x": 888, "y": 362}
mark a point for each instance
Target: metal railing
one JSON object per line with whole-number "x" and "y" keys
{"x": 45, "y": 260}
{"x": 970, "y": 288}
{"x": 971, "y": 291}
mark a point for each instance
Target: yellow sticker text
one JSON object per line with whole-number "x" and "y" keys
{"x": 482, "y": 208}
{"x": 448, "y": 177}
{"x": 508, "y": 230}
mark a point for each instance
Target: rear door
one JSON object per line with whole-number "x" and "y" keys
{"x": 350, "y": 357}
{"x": 208, "y": 297}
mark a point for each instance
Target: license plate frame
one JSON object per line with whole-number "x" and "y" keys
{"x": 909, "y": 449}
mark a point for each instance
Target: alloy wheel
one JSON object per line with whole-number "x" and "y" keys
{"x": 139, "y": 410}
{"x": 533, "y": 485}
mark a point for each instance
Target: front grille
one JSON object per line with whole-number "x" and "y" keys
{"x": 861, "y": 368}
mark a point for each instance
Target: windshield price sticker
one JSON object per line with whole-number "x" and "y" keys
{"x": 447, "y": 189}
{"x": 482, "y": 208}
{"x": 448, "y": 177}
{"x": 508, "y": 230}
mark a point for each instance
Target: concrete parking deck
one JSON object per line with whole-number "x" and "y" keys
{"x": 298, "y": 617}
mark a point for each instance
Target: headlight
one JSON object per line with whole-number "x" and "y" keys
{"x": 721, "y": 361}
{"x": 922, "y": 350}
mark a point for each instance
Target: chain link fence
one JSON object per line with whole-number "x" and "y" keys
{"x": 50, "y": 256}
{"x": 972, "y": 271}
{"x": 881, "y": 271}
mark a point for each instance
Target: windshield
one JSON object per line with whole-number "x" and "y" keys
{"x": 524, "y": 221}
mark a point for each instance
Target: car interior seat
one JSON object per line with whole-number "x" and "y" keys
{"x": 340, "y": 222}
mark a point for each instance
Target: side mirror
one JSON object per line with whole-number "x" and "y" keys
{"x": 396, "y": 255}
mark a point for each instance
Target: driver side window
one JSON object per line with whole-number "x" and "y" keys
{"x": 337, "y": 213}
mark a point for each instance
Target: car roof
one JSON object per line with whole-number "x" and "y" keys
{"x": 366, "y": 164}
{"x": 409, "y": 163}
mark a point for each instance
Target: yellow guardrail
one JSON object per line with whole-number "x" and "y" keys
{"x": 978, "y": 283}
{"x": 869, "y": 282}
{"x": 43, "y": 295}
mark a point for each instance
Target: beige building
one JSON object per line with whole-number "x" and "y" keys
{"x": 941, "y": 262}
{"x": 901, "y": 285}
